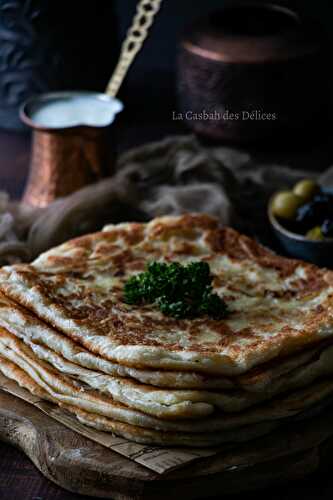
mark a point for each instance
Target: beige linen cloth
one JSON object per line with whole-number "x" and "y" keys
{"x": 172, "y": 176}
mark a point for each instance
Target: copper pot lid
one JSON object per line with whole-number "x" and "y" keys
{"x": 251, "y": 32}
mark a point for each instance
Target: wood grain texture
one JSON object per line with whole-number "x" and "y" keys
{"x": 81, "y": 466}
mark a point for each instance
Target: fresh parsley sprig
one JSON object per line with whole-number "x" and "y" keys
{"x": 179, "y": 291}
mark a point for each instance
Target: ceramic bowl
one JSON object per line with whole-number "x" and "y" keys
{"x": 319, "y": 252}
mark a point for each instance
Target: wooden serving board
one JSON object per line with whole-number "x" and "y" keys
{"x": 82, "y": 466}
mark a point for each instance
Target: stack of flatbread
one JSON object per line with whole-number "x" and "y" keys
{"x": 67, "y": 335}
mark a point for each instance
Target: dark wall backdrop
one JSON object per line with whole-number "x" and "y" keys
{"x": 150, "y": 87}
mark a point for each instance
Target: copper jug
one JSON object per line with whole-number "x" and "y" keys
{"x": 68, "y": 153}
{"x": 70, "y": 147}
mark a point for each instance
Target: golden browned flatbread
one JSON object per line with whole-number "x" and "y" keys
{"x": 107, "y": 415}
{"x": 120, "y": 420}
{"x": 277, "y": 306}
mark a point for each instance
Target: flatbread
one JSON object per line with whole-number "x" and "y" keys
{"x": 168, "y": 404}
{"x": 277, "y": 306}
{"x": 29, "y": 328}
{"x": 96, "y": 412}
{"x": 58, "y": 388}
{"x": 147, "y": 399}
{"x": 25, "y": 325}
{"x": 88, "y": 413}
{"x": 148, "y": 436}
{"x": 271, "y": 445}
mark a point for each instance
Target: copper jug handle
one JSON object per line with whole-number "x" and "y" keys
{"x": 136, "y": 35}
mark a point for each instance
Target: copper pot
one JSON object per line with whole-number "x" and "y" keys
{"x": 254, "y": 72}
{"x": 65, "y": 159}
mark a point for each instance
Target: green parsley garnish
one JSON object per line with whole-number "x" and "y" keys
{"x": 179, "y": 291}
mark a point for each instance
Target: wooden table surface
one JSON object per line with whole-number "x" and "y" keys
{"x": 19, "y": 479}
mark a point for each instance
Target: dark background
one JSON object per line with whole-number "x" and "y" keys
{"x": 150, "y": 97}
{"x": 47, "y": 45}
{"x": 159, "y": 54}
{"x": 150, "y": 85}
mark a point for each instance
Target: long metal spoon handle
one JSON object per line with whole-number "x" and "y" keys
{"x": 136, "y": 35}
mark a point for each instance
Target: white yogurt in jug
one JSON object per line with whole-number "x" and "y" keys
{"x": 70, "y": 109}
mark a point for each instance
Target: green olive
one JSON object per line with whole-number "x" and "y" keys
{"x": 306, "y": 189}
{"x": 285, "y": 204}
{"x": 315, "y": 234}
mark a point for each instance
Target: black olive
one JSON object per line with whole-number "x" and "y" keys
{"x": 315, "y": 212}
{"x": 323, "y": 198}
{"x": 327, "y": 228}
{"x": 325, "y": 201}
{"x": 308, "y": 216}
